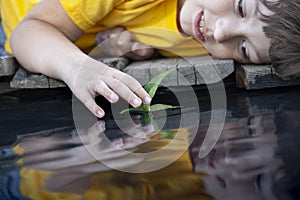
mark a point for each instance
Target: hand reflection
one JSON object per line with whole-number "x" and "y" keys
{"x": 69, "y": 161}
{"x": 81, "y": 150}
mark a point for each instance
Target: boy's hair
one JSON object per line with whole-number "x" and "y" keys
{"x": 283, "y": 28}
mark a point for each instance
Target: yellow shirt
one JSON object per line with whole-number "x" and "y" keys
{"x": 176, "y": 181}
{"x": 152, "y": 21}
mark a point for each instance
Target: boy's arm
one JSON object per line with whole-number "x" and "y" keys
{"x": 43, "y": 43}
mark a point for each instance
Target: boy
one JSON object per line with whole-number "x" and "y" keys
{"x": 44, "y": 41}
{"x": 282, "y": 28}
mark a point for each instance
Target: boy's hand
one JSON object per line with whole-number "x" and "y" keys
{"x": 95, "y": 78}
{"x": 119, "y": 42}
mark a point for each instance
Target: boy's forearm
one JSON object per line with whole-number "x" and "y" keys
{"x": 41, "y": 48}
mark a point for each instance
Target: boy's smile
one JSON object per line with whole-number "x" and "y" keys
{"x": 228, "y": 29}
{"x": 199, "y": 27}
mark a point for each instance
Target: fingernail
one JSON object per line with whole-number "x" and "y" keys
{"x": 136, "y": 102}
{"x": 141, "y": 52}
{"x": 100, "y": 113}
{"x": 147, "y": 100}
{"x": 101, "y": 125}
{"x": 118, "y": 143}
{"x": 113, "y": 97}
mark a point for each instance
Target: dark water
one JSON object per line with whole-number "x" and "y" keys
{"x": 45, "y": 156}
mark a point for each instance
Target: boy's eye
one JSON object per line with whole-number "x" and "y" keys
{"x": 241, "y": 8}
{"x": 244, "y": 49}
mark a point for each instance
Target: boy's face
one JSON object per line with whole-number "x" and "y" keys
{"x": 228, "y": 29}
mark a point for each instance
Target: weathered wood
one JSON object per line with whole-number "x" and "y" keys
{"x": 209, "y": 70}
{"x": 4, "y": 88}
{"x": 191, "y": 70}
{"x": 140, "y": 71}
{"x": 260, "y": 77}
{"x": 116, "y": 62}
{"x": 54, "y": 83}
{"x": 8, "y": 66}
{"x": 170, "y": 80}
{"x": 24, "y": 79}
{"x": 186, "y": 74}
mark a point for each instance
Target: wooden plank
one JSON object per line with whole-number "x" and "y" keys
{"x": 116, "y": 62}
{"x": 191, "y": 70}
{"x": 210, "y": 71}
{"x": 261, "y": 76}
{"x": 170, "y": 80}
{"x": 186, "y": 75}
{"x": 24, "y": 79}
{"x": 8, "y": 66}
{"x": 5, "y": 88}
{"x": 54, "y": 83}
{"x": 140, "y": 71}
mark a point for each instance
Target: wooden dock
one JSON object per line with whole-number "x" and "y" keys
{"x": 260, "y": 77}
{"x": 198, "y": 70}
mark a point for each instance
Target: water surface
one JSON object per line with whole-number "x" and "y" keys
{"x": 44, "y": 156}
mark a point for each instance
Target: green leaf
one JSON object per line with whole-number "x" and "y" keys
{"x": 128, "y": 110}
{"x": 152, "y": 86}
{"x": 157, "y": 107}
{"x": 147, "y": 118}
{"x": 141, "y": 109}
{"x": 146, "y": 107}
{"x": 168, "y": 134}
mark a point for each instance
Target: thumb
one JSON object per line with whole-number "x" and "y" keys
{"x": 142, "y": 50}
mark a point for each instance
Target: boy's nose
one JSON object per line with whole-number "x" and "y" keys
{"x": 225, "y": 30}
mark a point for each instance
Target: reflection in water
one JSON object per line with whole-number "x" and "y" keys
{"x": 66, "y": 165}
{"x": 243, "y": 164}
{"x": 257, "y": 157}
